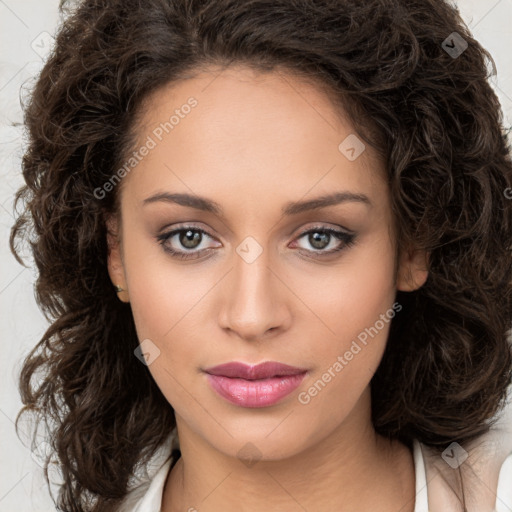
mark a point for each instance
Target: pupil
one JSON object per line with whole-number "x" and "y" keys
{"x": 189, "y": 238}
{"x": 317, "y": 240}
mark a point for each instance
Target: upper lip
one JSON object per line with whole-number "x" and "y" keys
{"x": 260, "y": 371}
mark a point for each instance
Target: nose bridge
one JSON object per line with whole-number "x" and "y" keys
{"x": 252, "y": 277}
{"x": 253, "y": 305}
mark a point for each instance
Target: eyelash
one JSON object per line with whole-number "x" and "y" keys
{"x": 348, "y": 240}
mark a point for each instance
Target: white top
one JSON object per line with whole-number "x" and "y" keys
{"x": 432, "y": 475}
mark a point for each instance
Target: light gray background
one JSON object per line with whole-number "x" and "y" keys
{"x": 25, "y": 29}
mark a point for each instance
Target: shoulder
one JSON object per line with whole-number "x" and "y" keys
{"x": 477, "y": 476}
{"x": 146, "y": 487}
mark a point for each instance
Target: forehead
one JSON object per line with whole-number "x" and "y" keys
{"x": 250, "y": 128}
{"x": 247, "y": 98}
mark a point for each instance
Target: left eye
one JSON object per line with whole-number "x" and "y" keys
{"x": 319, "y": 238}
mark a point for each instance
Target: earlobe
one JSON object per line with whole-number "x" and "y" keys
{"x": 114, "y": 260}
{"x": 412, "y": 271}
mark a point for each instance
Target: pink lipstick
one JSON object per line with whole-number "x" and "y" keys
{"x": 254, "y": 386}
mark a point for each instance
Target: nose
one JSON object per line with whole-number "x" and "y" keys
{"x": 255, "y": 302}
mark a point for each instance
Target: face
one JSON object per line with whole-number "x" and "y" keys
{"x": 256, "y": 277}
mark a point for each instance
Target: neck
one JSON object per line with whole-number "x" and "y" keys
{"x": 352, "y": 467}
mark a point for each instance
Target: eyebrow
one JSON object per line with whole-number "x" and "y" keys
{"x": 290, "y": 208}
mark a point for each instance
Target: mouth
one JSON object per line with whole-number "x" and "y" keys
{"x": 254, "y": 386}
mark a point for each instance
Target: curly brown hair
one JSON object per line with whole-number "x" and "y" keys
{"x": 433, "y": 118}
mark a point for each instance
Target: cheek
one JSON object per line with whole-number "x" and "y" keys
{"x": 169, "y": 305}
{"x": 354, "y": 295}
{"x": 345, "y": 366}
{"x": 356, "y": 304}
{"x": 162, "y": 294}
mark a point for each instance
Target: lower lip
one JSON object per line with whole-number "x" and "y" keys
{"x": 255, "y": 393}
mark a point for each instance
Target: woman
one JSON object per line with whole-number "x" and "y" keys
{"x": 274, "y": 239}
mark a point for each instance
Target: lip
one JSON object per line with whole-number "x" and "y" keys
{"x": 261, "y": 385}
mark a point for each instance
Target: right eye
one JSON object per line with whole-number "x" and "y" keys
{"x": 188, "y": 237}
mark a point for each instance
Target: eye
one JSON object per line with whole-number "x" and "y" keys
{"x": 189, "y": 239}
{"x": 321, "y": 238}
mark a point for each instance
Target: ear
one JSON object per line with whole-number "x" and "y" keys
{"x": 412, "y": 270}
{"x": 115, "y": 260}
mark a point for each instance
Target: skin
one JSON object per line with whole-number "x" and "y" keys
{"x": 254, "y": 143}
